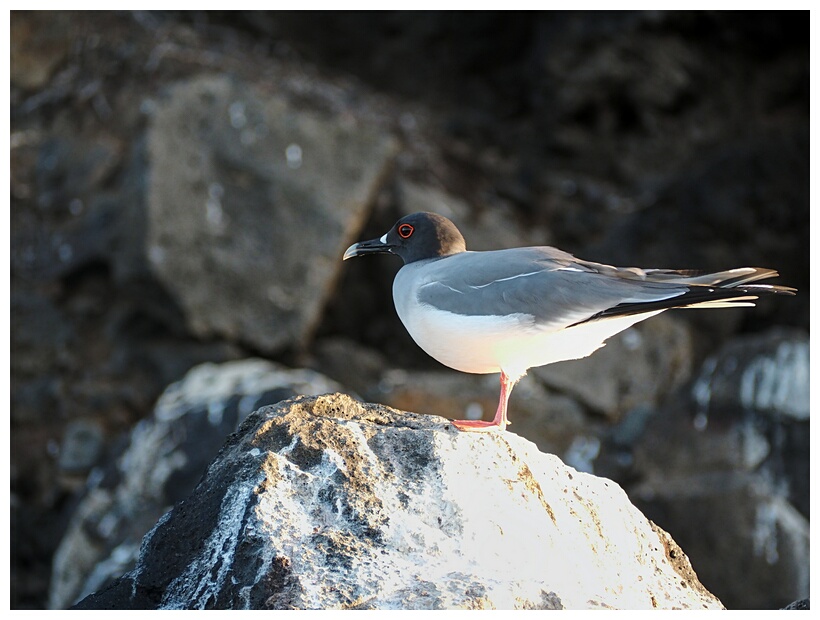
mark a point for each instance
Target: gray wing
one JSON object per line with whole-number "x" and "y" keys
{"x": 559, "y": 290}
{"x": 550, "y": 285}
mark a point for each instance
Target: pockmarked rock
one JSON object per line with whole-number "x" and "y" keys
{"x": 328, "y": 503}
{"x": 251, "y": 202}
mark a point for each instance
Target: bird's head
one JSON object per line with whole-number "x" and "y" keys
{"x": 414, "y": 237}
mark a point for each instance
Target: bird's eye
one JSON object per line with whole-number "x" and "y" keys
{"x": 405, "y": 230}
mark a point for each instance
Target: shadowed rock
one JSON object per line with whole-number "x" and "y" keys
{"x": 250, "y": 204}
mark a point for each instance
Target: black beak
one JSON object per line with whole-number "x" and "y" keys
{"x": 374, "y": 246}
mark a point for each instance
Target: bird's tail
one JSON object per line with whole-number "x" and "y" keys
{"x": 731, "y": 288}
{"x": 724, "y": 289}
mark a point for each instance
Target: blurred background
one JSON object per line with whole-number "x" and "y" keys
{"x": 183, "y": 185}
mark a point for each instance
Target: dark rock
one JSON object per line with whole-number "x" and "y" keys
{"x": 81, "y": 447}
{"x": 761, "y": 384}
{"x": 41, "y": 335}
{"x": 801, "y": 604}
{"x": 726, "y": 473}
{"x": 639, "y": 367}
{"x": 39, "y": 45}
{"x": 764, "y": 375}
{"x": 326, "y": 503}
{"x": 750, "y": 524}
{"x": 252, "y": 201}
{"x": 709, "y": 218}
{"x": 349, "y": 363}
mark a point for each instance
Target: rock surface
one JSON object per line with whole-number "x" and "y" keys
{"x": 758, "y": 529}
{"x": 251, "y": 201}
{"x": 325, "y": 502}
{"x": 163, "y": 460}
{"x": 736, "y": 448}
{"x": 638, "y": 367}
{"x": 765, "y": 375}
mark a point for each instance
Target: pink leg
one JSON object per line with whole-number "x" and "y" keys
{"x": 500, "y": 421}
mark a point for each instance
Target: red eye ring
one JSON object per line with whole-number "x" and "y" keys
{"x": 405, "y": 231}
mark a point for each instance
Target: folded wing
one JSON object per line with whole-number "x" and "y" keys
{"x": 557, "y": 290}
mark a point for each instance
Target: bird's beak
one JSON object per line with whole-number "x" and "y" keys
{"x": 374, "y": 246}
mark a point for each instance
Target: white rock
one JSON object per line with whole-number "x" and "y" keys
{"x": 325, "y": 503}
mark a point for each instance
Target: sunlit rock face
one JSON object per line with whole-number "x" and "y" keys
{"x": 325, "y": 502}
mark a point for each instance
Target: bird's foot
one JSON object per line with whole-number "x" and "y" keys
{"x": 478, "y": 425}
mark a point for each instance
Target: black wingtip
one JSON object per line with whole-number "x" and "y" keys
{"x": 700, "y": 296}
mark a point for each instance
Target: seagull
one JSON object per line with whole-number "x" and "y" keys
{"x": 505, "y": 311}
